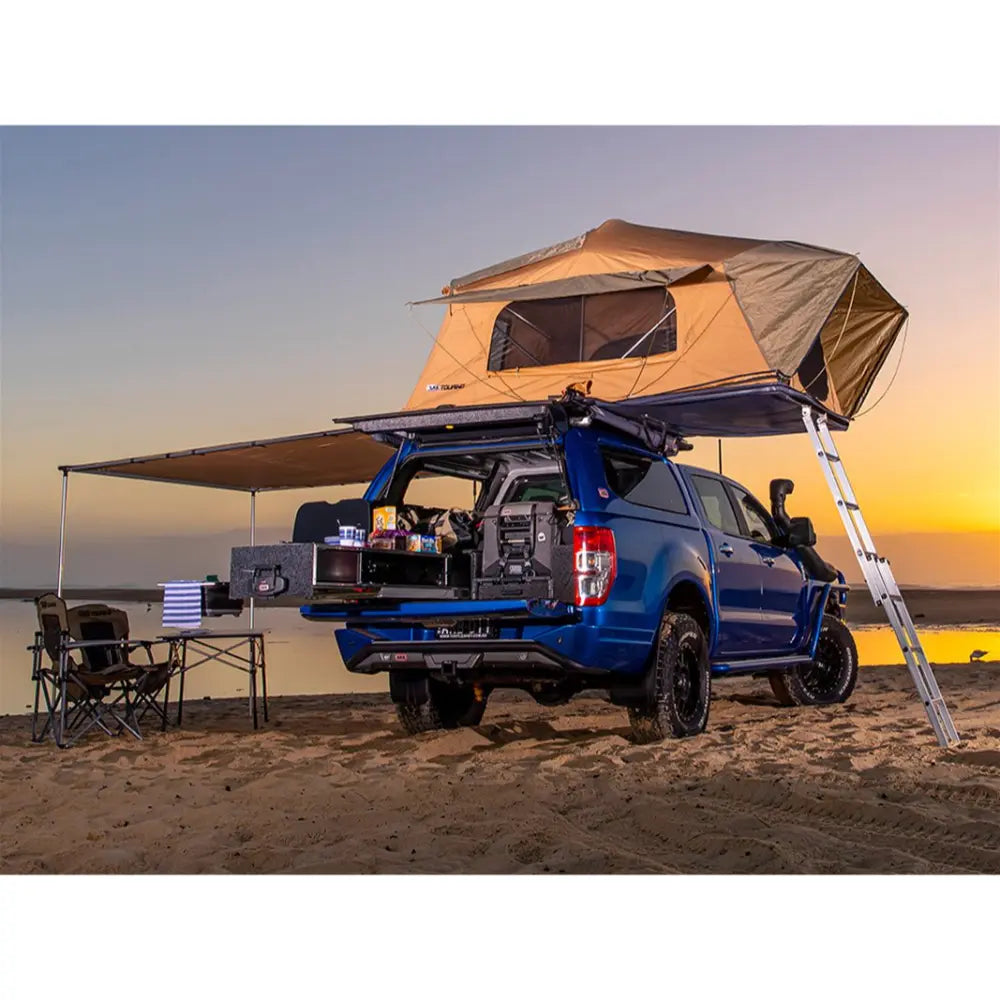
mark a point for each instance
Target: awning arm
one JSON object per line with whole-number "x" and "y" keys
{"x": 62, "y": 531}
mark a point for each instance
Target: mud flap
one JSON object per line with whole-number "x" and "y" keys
{"x": 407, "y": 690}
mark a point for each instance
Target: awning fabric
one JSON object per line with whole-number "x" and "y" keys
{"x": 324, "y": 458}
{"x": 814, "y": 318}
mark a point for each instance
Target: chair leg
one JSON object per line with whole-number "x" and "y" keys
{"x": 61, "y": 732}
{"x": 35, "y": 738}
{"x": 91, "y": 710}
{"x": 129, "y": 721}
{"x": 166, "y": 702}
{"x": 36, "y": 675}
{"x": 50, "y": 692}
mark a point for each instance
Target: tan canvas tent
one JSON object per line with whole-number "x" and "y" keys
{"x": 636, "y": 312}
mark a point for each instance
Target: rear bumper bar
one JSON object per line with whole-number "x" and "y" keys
{"x": 473, "y": 657}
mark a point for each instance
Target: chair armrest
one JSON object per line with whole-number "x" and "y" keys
{"x": 125, "y": 644}
{"x": 147, "y": 645}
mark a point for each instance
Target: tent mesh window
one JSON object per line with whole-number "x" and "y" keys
{"x": 583, "y": 328}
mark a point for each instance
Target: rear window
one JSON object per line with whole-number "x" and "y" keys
{"x": 540, "y": 489}
{"x": 643, "y": 480}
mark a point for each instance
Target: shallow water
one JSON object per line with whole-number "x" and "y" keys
{"x": 302, "y": 657}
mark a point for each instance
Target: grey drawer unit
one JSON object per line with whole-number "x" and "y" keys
{"x": 305, "y": 571}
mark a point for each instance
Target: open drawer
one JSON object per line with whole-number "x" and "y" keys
{"x": 306, "y": 571}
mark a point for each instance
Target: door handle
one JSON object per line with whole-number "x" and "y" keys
{"x": 726, "y": 549}
{"x": 768, "y": 561}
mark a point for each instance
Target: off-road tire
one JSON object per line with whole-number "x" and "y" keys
{"x": 829, "y": 679}
{"x": 678, "y": 686}
{"x": 448, "y": 706}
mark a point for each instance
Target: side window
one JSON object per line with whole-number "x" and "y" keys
{"x": 718, "y": 507}
{"x": 759, "y": 524}
{"x": 536, "y": 488}
{"x": 643, "y": 480}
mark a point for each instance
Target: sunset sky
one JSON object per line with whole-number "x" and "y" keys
{"x": 169, "y": 288}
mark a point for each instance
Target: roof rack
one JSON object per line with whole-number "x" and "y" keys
{"x": 509, "y": 421}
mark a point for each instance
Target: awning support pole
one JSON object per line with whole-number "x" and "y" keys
{"x": 879, "y": 576}
{"x": 62, "y": 531}
{"x": 253, "y": 516}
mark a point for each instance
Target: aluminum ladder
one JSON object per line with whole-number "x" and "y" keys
{"x": 879, "y": 577}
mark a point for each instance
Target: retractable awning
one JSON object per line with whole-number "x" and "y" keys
{"x": 324, "y": 458}
{"x": 338, "y": 457}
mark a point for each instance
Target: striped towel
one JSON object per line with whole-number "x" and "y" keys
{"x": 182, "y": 604}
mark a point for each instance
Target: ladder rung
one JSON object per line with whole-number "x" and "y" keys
{"x": 830, "y": 456}
{"x": 848, "y": 505}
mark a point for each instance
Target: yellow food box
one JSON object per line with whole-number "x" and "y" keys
{"x": 384, "y": 519}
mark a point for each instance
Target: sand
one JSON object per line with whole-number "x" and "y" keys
{"x": 332, "y": 785}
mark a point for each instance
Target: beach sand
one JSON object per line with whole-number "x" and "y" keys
{"x": 332, "y": 785}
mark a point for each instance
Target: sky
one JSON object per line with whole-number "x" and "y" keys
{"x": 171, "y": 288}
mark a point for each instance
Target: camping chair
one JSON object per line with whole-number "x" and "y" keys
{"x": 77, "y": 696}
{"x": 93, "y": 622}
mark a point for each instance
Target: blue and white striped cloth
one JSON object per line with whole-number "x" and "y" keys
{"x": 182, "y": 604}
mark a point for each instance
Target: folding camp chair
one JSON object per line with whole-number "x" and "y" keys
{"x": 76, "y": 697}
{"x": 92, "y": 622}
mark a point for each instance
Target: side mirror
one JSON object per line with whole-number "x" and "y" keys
{"x": 801, "y": 532}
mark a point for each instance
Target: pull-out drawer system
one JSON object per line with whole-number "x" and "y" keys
{"x": 305, "y": 571}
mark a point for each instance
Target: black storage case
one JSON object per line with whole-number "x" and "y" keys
{"x": 527, "y": 554}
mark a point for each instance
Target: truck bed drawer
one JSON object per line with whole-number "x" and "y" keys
{"x": 297, "y": 571}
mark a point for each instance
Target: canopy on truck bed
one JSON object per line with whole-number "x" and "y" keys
{"x": 637, "y": 312}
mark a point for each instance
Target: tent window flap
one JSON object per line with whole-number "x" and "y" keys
{"x": 584, "y": 328}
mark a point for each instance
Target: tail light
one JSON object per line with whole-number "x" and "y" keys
{"x": 594, "y": 564}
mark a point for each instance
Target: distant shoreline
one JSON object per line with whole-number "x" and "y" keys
{"x": 928, "y": 605}
{"x": 105, "y": 594}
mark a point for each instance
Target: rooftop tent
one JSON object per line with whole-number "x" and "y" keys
{"x": 638, "y": 312}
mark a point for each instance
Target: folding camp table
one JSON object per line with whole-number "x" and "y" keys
{"x": 243, "y": 651}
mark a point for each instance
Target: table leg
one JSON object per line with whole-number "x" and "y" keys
{"x": 180, "y": 693}
{"x": 263, "y": 676}
{"x": 166, "y": 691}
{"x": 253, "y": 682}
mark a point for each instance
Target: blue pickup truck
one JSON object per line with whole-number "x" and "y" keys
{"x": 586, "y": 558}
